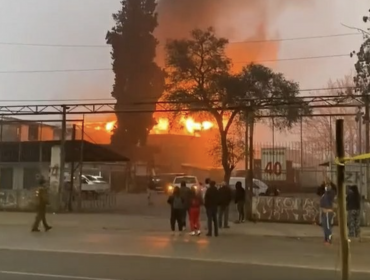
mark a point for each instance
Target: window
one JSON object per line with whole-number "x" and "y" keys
{"x": 187, "y": 180}
{"x": 10, "y": 132}
{"x": 29, "y": 178}
{"x": 33, "y": 132}
{"x": 6, "y": 178}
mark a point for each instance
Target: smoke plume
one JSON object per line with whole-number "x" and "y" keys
{"x": 236, "y": 20}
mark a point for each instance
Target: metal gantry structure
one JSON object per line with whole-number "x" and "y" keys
{"x": 335, "y": 101}
{"x": 312, "y": 102}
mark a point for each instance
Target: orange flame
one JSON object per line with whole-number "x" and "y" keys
{"x": 109, "y": 126}
{"x": 163, "y": 126}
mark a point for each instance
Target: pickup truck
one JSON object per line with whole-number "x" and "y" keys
{"x": 191, "y": 181}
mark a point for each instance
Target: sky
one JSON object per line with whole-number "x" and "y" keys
{"x": 86, "y": 22}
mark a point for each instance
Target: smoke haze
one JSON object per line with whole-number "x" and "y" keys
{"x": 237, "y": 20}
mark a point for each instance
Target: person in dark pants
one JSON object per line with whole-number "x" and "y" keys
{"x": 327, "y": 213}
{"x": 321, "y": 191}
{"x": 225, "y": 197}
{"x": 211, "y": 202}
{"x": 41, "y": 204}
{"x": 185, "y": 193}
{"x": 353, "y": 211}
{"x": 240, "y": 201}
{"x": 150, "y": 190}
{"x": 177, "y": 209}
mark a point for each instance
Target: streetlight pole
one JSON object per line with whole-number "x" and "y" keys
{"x": 342, "y": 217}
{"x": 62, "y": 154}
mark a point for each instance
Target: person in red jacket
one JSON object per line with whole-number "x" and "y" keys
{"x": 194, "y": 211}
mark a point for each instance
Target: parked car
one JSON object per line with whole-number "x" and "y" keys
{"x": 163, "y": 180}
{"x": 94, "y": 187}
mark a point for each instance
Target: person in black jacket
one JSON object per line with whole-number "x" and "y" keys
{"x": 240, "y": 200}
{"x": 321, "y": 190}
{"x": 42, "y": 201}
{"x": 177, "y": 209}
{"x": 211, "y": 202}
{"x": 225, "y": 197}
{"x": 354, "y": 211}
{"x": 185, "y": 194}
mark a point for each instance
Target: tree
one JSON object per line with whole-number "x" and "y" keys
{"x": 321, "y": 144}
{"x": 268, "y": 94}
{"x": 362, "y": 79}
{"x": 235, "y": 146}
{"x": 199, "y": 79}
{"x": 137, "y": 77}
{"x": 197, "y": 69}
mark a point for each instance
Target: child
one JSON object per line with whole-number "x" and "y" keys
{"x": 194, "y": 212}
{"x": 177, "y": 209}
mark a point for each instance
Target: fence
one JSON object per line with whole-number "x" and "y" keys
{"x": 25, "y": 200}
{"x": 310, "y": 145}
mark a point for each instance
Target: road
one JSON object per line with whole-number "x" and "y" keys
{"x": 30, "y": 265}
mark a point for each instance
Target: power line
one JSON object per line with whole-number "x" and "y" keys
{"x": 296, "y": 38}
{"x": 299, "y": 58}
{"x": 110, "y": 69}
{"x": 232, "y": 42}
{"x": 56, "y": 71}
{"x": 113, "y": 100}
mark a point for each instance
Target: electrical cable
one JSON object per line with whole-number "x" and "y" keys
{"x": 114, "y": 100}
{"x": 110, "y": 69}
{"x": 232, "y": 42}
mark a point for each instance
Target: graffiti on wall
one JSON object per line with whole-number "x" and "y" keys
{"x": 17, "y": 200}
{"x": 287, "y": 209}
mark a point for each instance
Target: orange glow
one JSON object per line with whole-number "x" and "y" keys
{"x": 109, "y": 126}
{"x": 162, "y": 126}
{"x": 192, "y": 127}
{"x": 187, "y": 124}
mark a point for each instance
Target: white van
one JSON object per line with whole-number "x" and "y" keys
{"x": 259, "y": 187}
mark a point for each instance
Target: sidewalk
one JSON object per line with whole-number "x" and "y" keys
{"x": 115, "y": 222}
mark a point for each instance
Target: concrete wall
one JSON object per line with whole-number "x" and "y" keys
{"x": 295, "y": 210}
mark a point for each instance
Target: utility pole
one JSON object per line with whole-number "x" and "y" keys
{"x": 251, "y": 154}
{"x": 246, "y": 162}
{"x": 71, "y": 187}
{"x": 62, "y": 154}
{"x": 367, "y": 142}
{"x": 342, "y": 215}
{"x": 81, "y": 163}
{"x": 362, "y": 184}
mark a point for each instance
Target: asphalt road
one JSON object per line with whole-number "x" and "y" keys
{"x": 31, "y": 265}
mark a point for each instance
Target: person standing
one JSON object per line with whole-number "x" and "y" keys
{"x": 185, "y": 193}
{"x": 354, "y": 211}
{"x": 150, "y": 190}
{"x": 327, "y": 212}
{"x": 194, "y": 211}
{"x": 321, "y": 191}
{"x": 177, "y": 208}
{"x": 211, "y": 203}
{"x": 225, "y": 196}
{"x": 240, "y": 201}
{"x": 206, "y": 186}
{"x": 41, "y": 203}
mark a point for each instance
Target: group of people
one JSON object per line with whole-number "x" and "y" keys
{"x": 328, "y": 192}
{"x": 187, "y": 203}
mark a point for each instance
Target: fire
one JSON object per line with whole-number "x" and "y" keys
{"x": 193, "y": 127}
{"x": 163, "y": 126}
{"x": 109, "y": 126}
